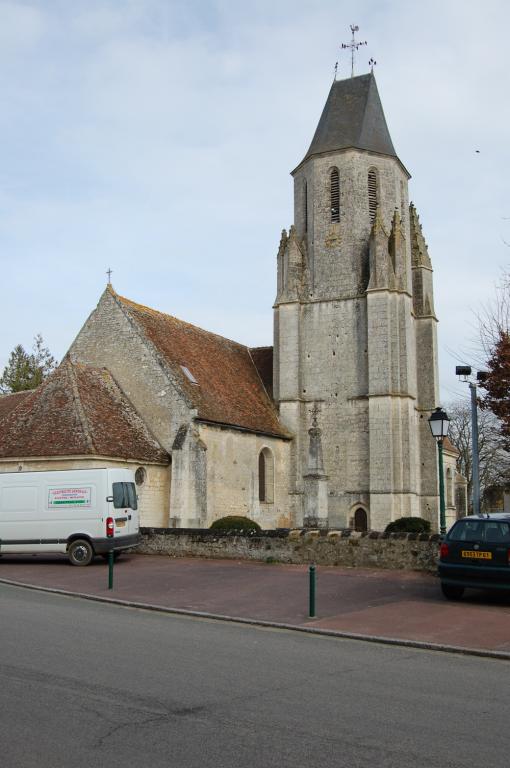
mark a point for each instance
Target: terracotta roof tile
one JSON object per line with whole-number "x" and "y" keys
{"x": 228, "y": 389}
{"x": 449, "y": 447}
{"x": 263, "y": 359}
{"x": 78, "y": 410}
{"x": 11, "y": 401}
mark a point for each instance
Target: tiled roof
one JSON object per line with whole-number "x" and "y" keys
{"x": 9, "y": 402}
{"x": 228, "y": 389}
{"x": 263, "y": 359}
{"x": 77, "y": 411}
{"x": 449, "y": 447}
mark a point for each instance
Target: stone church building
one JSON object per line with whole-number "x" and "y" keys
{"x": 329, "y": 426}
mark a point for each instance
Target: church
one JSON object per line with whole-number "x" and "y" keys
{"x": 328, "y": 426}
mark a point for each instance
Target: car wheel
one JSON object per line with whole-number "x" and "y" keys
{"x": 452, "y": 592}
{"x": 80, "y": 552}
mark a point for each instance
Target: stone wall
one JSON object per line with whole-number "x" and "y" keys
{"x": 233, "y": 476}
{"x": 110, "y": 338}
{"x": 416, "y": 552}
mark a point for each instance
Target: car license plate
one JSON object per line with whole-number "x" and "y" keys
{"x": 478, "y": 555}
{"x": 120, "y": 523}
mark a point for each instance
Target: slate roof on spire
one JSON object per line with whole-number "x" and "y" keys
{"x": 353, "y": 117}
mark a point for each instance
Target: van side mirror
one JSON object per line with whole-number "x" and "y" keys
{"x": 109, "y": 498}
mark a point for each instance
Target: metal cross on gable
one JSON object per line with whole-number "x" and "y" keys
{"x": 109, "y": 273}
{"x": 353, "y": 45}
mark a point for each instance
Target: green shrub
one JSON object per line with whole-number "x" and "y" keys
{"x": 235, "y": 523}
{"x": 409, "y": 525}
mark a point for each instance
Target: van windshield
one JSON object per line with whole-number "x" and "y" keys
{"x": 124, "y": 495}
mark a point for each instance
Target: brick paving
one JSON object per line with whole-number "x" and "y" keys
{"x": 394, "y": 604}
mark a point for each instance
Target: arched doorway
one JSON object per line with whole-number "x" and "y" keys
{"x": 360, "y": 520}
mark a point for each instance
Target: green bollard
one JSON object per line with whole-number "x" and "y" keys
{"x": 110, "y": 569}
{"x": 311, "y": 593}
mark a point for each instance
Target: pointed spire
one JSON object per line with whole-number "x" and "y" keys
{"x": 353, "y": 117}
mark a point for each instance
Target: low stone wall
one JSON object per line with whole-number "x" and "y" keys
{"x": 409, "y": 551}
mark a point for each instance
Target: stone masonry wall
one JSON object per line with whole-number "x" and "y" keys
{"x": 109, "y": 339}
{"x": 343, "y": 548}
{"x": 232, "y": 476}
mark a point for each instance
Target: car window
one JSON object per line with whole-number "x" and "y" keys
{"x": 466, "y": 530}
{"x": 496, "y": 532}
{"x": 489, "y": 531}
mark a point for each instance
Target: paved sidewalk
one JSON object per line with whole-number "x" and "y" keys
{"x": 392, "y": 604}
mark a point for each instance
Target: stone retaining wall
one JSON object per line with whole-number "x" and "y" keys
{"x": 409, "y": 551}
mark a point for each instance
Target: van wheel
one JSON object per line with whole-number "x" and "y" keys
{"x": 452, "y": 592}
{"x": 80, "y": 552}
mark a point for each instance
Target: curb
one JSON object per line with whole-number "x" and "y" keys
{"x": 418, "y": 644}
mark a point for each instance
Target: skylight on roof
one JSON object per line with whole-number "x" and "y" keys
{"x": 189, "y": 375}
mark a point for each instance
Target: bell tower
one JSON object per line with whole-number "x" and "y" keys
{"x": 345, "y": 318}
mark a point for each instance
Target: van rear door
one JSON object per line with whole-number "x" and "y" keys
{"x": 125, "y": 509}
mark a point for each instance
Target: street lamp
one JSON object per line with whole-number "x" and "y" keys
{"x": 463, "y": 372}
{"x": 439, "y": 423}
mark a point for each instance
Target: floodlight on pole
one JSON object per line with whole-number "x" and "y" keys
{"x": 464, "y": 372}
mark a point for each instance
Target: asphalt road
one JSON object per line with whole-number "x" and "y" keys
{"x": 89, "y": 684}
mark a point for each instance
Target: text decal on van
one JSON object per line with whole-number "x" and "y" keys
{"x": 69, "y": 497}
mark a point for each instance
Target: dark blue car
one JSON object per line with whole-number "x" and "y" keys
{"x": 476, "y": 553}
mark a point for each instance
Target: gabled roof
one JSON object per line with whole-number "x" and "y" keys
{"x": 228, "y": 388}
{"x": 353, "y": 117}
{"x": 77, "y": 411}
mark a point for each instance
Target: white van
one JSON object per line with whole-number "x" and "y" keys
{"x": 81, "y": 513}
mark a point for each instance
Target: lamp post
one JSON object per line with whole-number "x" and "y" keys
{"x": 464, "y": 371}
{"x": 439, "y": 423}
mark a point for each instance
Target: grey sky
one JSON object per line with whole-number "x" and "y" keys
{"x": 156, "y": 137}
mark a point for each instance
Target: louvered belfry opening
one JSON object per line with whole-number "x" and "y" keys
{"x": 335, "y": 196}
{"x": 372, "y": 194}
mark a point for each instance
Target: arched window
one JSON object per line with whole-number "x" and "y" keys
{"x": 372, "y": 194}
{"x": 334, "y": 189}
{"x": 360, "y": 520}
{"x": 266, "y": 476}
{"x": 305, "y": 205}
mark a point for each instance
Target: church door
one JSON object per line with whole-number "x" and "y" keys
{"x": 360, "y": 520}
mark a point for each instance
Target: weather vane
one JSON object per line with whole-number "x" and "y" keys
{"x": 336, "y": 70}
{"x": 109, "y": 273}
{"x": 372, "y": 63}
{"x": 353, "y": 45}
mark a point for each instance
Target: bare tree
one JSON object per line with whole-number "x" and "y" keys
{"x": 494, "y": 329}
{"x": 494, "y": 459}
{"x": 494, "y": 317}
